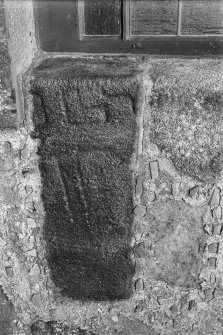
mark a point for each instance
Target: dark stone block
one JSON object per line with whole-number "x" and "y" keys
{"x": 85, "y": 118}
{"x": 7, "y": 315}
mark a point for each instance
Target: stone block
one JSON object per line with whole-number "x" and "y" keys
{"x": 176, "y": 233}
{"x": 212, "y": 262}
{"x": 85, "y": 116}
{"x": 139, "y": 186}
{"x": 213, "y": 248}
{"x": 154, "y": 169}
{"x": 140, "y": 250}
{"x": 193, "y": 191}
{"x": 215, "y": 199}
{"x": 209, "y": 294}
{"x": 175, "y": 189}
{"x": 217, "y": 229}
{"x": 186, "y": 104}
{"x": 7, "y": 315}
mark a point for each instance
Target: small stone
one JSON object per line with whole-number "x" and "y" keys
{"x": 192, "y": 305}
{"x": 164, "y": 192}
{"x": 53, "y": 313}
{"x": 218, "y": 213}
{"x": 25, "y": 153}
{"x": 140, "y": 250}
{"x": 139, "y": 186}
{"x": 175, "y": 189}
{"x": 212, "y": 261}
{"x": 215, "y": 200}
{"x": 209, "y": 294}
{"x": 36, "y": 300}
{"x": 154, "y": 169}
{"x": 174, "y": 309}
{"x": 213, "y": 248}
{"x": 29, "y": 189}
{"x": 31, "y": 253}
{"x": 30, "y": 206}
{"x": 5, "y": 257}
{"x": 9, "y": 271}
{"x": 139, "y": 285}
{"x": 2, "y": 242}
{"x": 140, "y": 211}
{"x": 31, "y": 223}
{"x": 193, "y": 192}
{"x": 138, "y": 229}
{"x": 151, "y": 196}
{"x": 41, "y": 328}
{"x": 138, "y": 267}
{"x": 35, "y": 270}
{"x": 114, "y": 318}
{"x": 217, "y": 229}
{"x": 212, "y": 279}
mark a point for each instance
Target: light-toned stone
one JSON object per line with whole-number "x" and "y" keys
{"x": 31, "y": 223}
{"x": 215, "y": 199}
{"x": 35, "y": 270}
{"x": 140, "y": 211}
{"x": 2, "y": 242}
{"x": 212, "y": 279}
{"x": 175, "y": 189}
{"x": 139, "y": 284}
{"x": 31, "y": 253}
{"x": 212, "y": 261}
{"x": 151, "y": 196}
{"x": 193, "y": 192}
{"x": 209, "y": 294}
{"x": 217, "y": 229}
{"x": 36, "y": 299}
{"x": 213, "y": 248}
{"x": 154, "y": 169}
{"x": 218, "y": 213}
{"x": 140, "y": 250}
{"x": 139, "y": 186}
{"x": 9, "y": 271}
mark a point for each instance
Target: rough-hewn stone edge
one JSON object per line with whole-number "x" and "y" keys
{"x": 22, "y": 45}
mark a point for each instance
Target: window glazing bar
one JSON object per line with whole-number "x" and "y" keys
{"x": 179, "y": 18}
{"x": 126, "y": 29}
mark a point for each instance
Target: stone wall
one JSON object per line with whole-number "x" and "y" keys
{"x": 176, "y": 231}
{"x": 149, "y": 188}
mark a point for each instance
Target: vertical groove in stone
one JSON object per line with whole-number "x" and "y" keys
{"x": 85, "y": 117}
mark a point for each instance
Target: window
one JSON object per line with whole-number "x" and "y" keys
{"x": 185, "y": 27}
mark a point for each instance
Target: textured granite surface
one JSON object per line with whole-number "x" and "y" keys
{"x": 85, "y": 117}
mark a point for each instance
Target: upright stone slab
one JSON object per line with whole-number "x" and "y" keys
{"x": 85, "y": 116}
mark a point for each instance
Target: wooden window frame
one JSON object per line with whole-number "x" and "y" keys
{"x": 178, "y": 44}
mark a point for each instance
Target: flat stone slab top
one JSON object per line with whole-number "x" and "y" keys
{"x": 85, "y": 115}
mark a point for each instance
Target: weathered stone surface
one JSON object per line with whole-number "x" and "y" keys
{"x": 176, "y": 234}
{"x": 7, "y": 110}
{"x": 187, "y": 119}
{"x": 40, "y": 327}
{"x": 85, "y": 117}
{"x": 136, "y": 327}
{"x": 7, "y": 315}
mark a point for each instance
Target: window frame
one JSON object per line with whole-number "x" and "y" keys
{"x": 193, "y": 45}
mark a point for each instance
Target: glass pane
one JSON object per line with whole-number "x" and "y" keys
{"x": 102, "y": 17}
{"x": 158, "y": 17}
{"x": 202, "y": 17}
